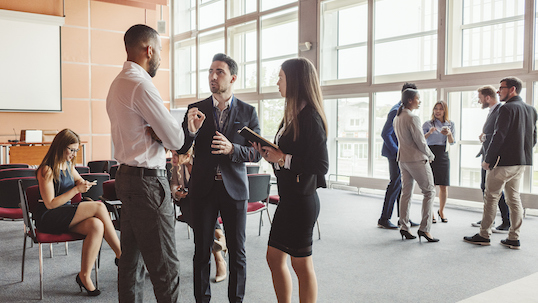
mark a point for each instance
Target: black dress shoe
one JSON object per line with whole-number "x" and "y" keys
{"x": 513, "y": 244}
{"x": 413, "y": 224}
{"x": 384, "y": 223}
{"x": 477, "y": 239}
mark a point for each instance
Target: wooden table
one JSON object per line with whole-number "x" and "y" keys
{"x": 30, "y": 153}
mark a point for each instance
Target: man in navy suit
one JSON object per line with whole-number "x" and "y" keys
{"x": 509, "y": 151}
{"x": 219, "y": 176}
{"x": 488, "y": 99}
{"x": 390, "y": 150}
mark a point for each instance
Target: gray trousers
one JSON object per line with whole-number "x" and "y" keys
{"x": 147, "y": 238}
{"x": 421, "y": 172}
{"x": 497, "y": 179}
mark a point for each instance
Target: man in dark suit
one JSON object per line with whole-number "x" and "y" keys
{"x": 487, "y": 97}
{"x": 219, "y": 176}
{"x": 509, "y": 151}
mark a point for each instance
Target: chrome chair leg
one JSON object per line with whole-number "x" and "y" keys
{"x": 41, "y": 271}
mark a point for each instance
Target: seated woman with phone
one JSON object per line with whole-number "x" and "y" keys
{"x": 59, "y": 182}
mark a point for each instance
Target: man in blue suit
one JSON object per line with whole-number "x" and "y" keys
{"x": 390, "y": 150}
{"x": 218, "y": 180}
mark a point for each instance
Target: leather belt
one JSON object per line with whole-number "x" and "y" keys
{"x": 218, "y": 177}
{"x": 142, "y": 171}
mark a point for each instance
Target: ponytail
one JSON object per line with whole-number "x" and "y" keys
{"x": 400, "y": 110}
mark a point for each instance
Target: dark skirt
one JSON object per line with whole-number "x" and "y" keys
{"x": 293, "y": 224}
{"x": 57, "y": 220}
{"x": 441, "y": 165}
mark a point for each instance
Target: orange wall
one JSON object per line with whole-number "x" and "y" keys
{"x": 92, "y": 55}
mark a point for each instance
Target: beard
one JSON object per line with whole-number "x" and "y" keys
{"x": 217, "y": 89}
{"x": 153, "y": 66}
{"x": 485, "y": 105}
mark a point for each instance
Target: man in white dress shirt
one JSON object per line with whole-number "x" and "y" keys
{"x": 142, "y": 128}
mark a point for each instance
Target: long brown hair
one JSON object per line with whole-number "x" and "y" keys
{"x": 302, "y": 85}
{"x": 55, "y": 155}
{"x": 445, "y": 111}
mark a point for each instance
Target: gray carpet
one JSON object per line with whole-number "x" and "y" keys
{"x": 355, "y": 261}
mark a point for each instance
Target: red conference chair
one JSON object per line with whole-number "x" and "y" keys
{"x": 95, "y": 191}
{"x": 28, "y": 203}
{"x": 14, "y": 165}
{"x": 259, "y": 187}
{"x": 9, "y": 197}
{"x": 113, "y": 204}
{"x": 16, "y": 173}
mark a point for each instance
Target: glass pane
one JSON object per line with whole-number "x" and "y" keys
{"x": 269, "y": 4}
{"x": 211, "y": 13}
{"x": 412, "y": 55}
{"x": 240, "y": 7}
{"x": 475, "y": 11}
{"x": 211, "y": 43}
{"x": 383, "y": 103}
{"x": 184, "y": 15}
{"x": 185, "y": 68}
{"x": 343, "y": 41}
{"x": 242, "y": 47}
{"x": 475, "y": 39}
{"x": 470, "y": 166}
{"x": 282, "y": 26}
{"x": 420, "y": 16}
{"x": 473, "y": 116}
{"x": 352, "y": 62}
{"x": 352, "y": 132}
{"x": 272, "y": 111}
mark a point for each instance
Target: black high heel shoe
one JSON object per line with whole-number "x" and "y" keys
{"x": 406, "y": 234}
{"x": 423, "y": 234}
{"x": 444, "y": 220}
{"x": 117, "y": 261}
{"x": 91, "y": 293}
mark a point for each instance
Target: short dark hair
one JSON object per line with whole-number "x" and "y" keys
{"x": 513, "y": 82}
{"x": 139, "y": 34}
{"x": 232, "y": 65}
{"x": 408, "y": 85}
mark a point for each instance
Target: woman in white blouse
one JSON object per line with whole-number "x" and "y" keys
{"x": 414, "y": 156}
{"x": 439, "y": 132}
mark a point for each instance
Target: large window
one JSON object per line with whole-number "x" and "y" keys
{"x": 352, "y": 136}
{"x": 485, "y": 35}
{"x": 405, "y": 43}
{"x": 364, "y": 50}
{"x": 278, "y": 27}
{"x": 344, "y": 41}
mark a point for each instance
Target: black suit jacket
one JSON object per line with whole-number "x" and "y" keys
{"x": 310, "y": 160}
{"x": 514, "y": 135}
{"x": 232, "y": 167}
{"x": 489, "y": 128}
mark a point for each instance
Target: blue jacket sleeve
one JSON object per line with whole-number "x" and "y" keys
{"x": 388, "y": 135}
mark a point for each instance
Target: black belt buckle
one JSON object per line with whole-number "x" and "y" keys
{"x": 145, "y": 172}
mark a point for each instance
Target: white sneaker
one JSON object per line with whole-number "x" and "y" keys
{"x": 476, "y": 224}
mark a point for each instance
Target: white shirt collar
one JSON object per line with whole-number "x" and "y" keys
{"x": 226, "y": 104}
{"x": 134, "y": 65}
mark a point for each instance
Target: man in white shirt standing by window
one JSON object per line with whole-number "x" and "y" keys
{"x": 142, "y": 127}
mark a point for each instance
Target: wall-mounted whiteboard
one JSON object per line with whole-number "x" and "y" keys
{"x": 30, "y": 65}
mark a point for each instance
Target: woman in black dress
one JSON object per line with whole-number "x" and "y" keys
{"x": 59, "y": 182}
{"x": 300, "y": 165}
